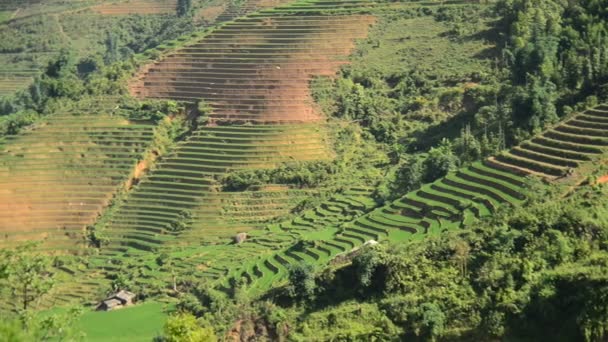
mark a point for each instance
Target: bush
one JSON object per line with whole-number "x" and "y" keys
{"x": 301, "y": 174}
{"x": 440, "y": 161}
{"x": 184, "y": 327}
{"x": 302, "y": 284}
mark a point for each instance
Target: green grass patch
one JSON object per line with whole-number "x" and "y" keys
{"x": 421, "y": 44}
{"x": 138, "y": 323}
{"x": 5, "y": 15}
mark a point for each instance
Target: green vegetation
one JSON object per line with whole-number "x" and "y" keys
{"x": 184, "y": 327}
{"x": 510, "y": 276}
{"x": 25, "y": 275}
{"x": 304, "y": 170}
{"x": 142, "y": 322}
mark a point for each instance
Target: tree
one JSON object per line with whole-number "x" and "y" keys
{"x": 184, "y": 7}
{"x": 26, "y": 274}
{"x": 467, "y": 146}
{"x": 440, "y": 161}
{"x": 301, "y": 281}
{"x": 112, "y": 48}
{"x": 63, "y": 65}
{"x": 183, "y": 327}
{"x": 432, "y": 321}
{"x": 34, "y": 327}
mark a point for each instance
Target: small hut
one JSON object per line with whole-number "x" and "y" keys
{"x": 125, "y": 297}
{"x": 117, "y": 301}
{"x": 109, "y": 305}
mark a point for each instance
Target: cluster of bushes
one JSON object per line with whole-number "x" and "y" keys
{"x": 412, "y": 171}
{"x": 301, "y": 174}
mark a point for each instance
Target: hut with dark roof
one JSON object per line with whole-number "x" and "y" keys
{"x": 117, "y": 301}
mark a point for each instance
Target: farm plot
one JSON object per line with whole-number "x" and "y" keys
{"x": 249, "y": 71}
{"x": 137, "y": 7}
{"x": 559, "y": 152}
{"x": 12, "y": 5}
{"x": 263, "y": 259}
{"x": 57, "y": 177}
{"x": 268, "y": 254}
{"x": 561, "y": 155}
{"x": 256, "y": 69}
{"x": 182, "y": 187}
{"x": 235, "y": 9}
{"x": 13, "y": 81}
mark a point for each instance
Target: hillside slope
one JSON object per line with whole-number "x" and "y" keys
{"x": 565, "y": 155}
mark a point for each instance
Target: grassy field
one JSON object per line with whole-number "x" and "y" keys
{"x": 138, "y": 323}
{"x": 5, "y": 15}
{"x": 423, "y": 44}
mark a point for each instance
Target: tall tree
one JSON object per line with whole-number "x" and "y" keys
{"x": 26, "y": 274}
{"x": 184, "y": 7}
{"x": 112, "y": 49}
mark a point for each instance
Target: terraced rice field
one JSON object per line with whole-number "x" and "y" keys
{"x": 257, "y": 68}
{"x": 456, "y": 200}
{"x": 137, "y": 7}
{"x": 10, "y": 84}
{"x": 183, "y": 182}
{"x": 11, "y": 81}
{"x": 254, "y": 74}
{"x": 11, "y": 5}
{"x": 561, "y": 150}
{"x": 266, "y": 256}
{"x": 265, "y": 250}
{"x": 58, "y": 176}
{"x": 235, "y": 10}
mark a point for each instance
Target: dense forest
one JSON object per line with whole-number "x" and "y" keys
{"x": 400, "y": 117}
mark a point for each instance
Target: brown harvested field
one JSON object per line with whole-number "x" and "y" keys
{"x": 137, "y": 7}
{"x": 210, "y": 14}
{"x": 58, "y": 176}
{"x": 256, "y": 70}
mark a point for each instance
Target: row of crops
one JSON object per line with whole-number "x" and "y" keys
{"x": 57, "y": 176}
{"x": 237, "y": 9}
{"x": 263, "y": 103}
{"x": 11, "y": 80}
{"x": 226, "y": 10}
{"x": 452, "y": 202}
{"x": 256, "y": 68}
{"x": 183, "y": 186}
{"x": 142, "y": 7}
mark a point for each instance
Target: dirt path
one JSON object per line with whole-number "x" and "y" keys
{"x": 60, "y": 26}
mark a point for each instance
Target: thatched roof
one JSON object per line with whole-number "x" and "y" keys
{"x": 112, "y": 303}
{"x": 125, "y": 296}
